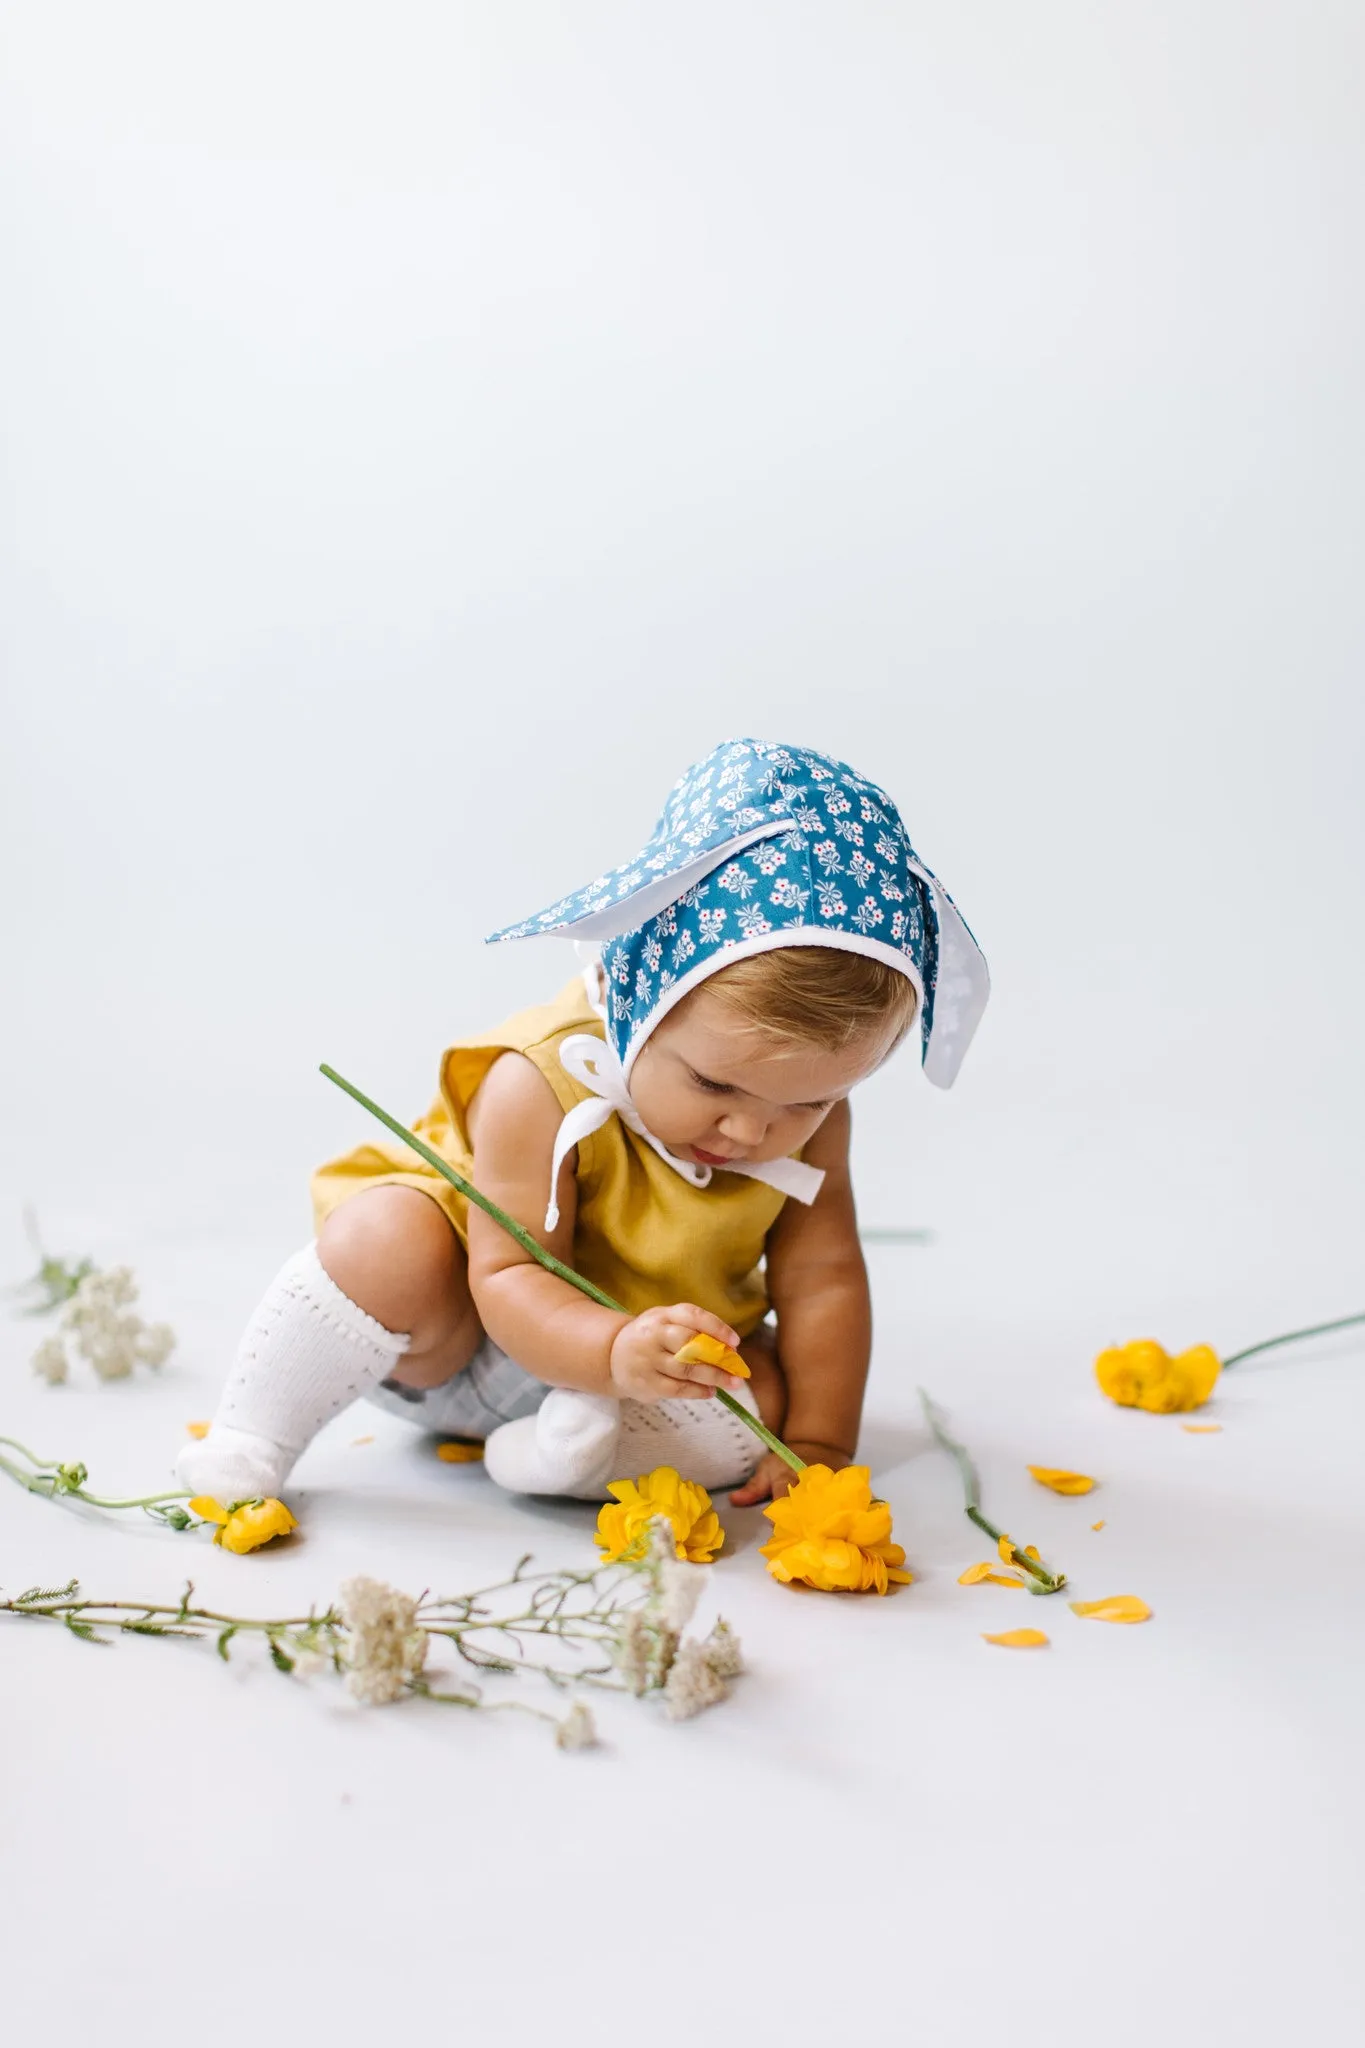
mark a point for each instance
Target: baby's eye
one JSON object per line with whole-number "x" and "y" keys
{"x": 713, "y": 1087}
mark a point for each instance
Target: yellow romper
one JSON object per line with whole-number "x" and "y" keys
{"x": 642, "y": 1233}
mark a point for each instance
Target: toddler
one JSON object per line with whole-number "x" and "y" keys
{"x": 675, "y": 1126}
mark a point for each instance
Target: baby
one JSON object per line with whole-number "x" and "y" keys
{"x": 674, "y": 1125}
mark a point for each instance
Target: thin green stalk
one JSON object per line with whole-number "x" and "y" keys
{"x": 1292, "y": 1337}
{"x": 1045, "y": 1581}
{"x": 774, "y": 1443}
{"x": 471, "y": 1194}
{"x": 68, "y": 1481}
{"x": 538, "y": 1251}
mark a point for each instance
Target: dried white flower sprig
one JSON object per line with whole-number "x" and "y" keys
{"x": 570, "y": 1630}
{"x": 651, "y": 1652}
{"x": 97, "y": 1320}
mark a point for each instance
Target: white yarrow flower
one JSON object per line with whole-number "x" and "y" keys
{"x": 679, "y": 1591}
{"x": 49, "y": 1361}
{"x": 692, "y": 1685}
{"x": 156, "y": 1343}
{"x": 387, "y": 1649}
{"x": 631, "y": 1653}
{"x": 723, "y": 1652}
{"x": 577, "y": 1730}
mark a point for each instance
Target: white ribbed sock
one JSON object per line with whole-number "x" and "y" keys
{"x": 307, "y": 1353}
{"x": 577, "y": 1443}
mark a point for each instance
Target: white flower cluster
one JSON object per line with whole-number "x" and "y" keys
{"x": 387, "y": 1649}
{"x": 99, "y": 1325}
{"x": 652, "y": 1652}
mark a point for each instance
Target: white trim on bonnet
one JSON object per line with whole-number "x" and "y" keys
{"x": 770, "y": 942}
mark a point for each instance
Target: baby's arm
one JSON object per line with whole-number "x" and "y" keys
{"x": 546, "y": 1325}
{"x": 817, "y": 1283}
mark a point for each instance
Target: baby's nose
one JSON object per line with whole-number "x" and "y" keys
{"x": 740, "y": 1127}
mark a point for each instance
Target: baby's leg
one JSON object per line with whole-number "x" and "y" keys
{"x": 383, "y": 1294}
{"x": 578, "y": 1443}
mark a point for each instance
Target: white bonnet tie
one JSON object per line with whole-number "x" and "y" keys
{"x": 594, "y": 1064}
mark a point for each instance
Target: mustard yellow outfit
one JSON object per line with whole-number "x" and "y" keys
{"x": 642, "y": 1233}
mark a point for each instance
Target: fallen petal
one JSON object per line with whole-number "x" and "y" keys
{"x": 1062, "y": 1482}
{"x": 1019, "y": 1639}
{"x": 986, "y": 1574}
{"x": 1097, "y": 1525}
{"x": 1118, "y": 1607}
{"x": 361, "y": 1440}
{"x": 459, "y": 1454}
{"x": 1201, "y": 1428}
{"x": 198, "y": 1429}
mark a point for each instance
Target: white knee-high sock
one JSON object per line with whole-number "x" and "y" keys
{"x": 306, "y": 1354}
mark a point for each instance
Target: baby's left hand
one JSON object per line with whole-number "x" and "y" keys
{"x": 773, "y": 1476}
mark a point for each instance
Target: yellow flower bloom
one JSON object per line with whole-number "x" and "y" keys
{"x": 704, "y": 1350}
{"x": 829, "y": 1533}
{"x": 247, "y": 1524}
{"x": 1118, "y": 1607}
{"x": 1143, "y": 1375}
{"x": 623, "y": 1525}
{"x": 1062, "y": 1482}
{"x": 1019, "y": 1639}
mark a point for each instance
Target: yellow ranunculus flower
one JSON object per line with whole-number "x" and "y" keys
{"x": 1144, "y": 1375}
{"x": 623, "y": 1525}
{"x": 829, "y": 1533}
{"x": 247, "y": 1524}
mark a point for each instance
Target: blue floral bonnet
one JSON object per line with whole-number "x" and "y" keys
{"x": 758, "y": 846}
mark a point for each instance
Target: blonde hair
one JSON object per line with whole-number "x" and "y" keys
{"x": 817, "y": 995}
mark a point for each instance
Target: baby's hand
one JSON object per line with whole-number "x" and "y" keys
{"x": 644, "y": 1364}
{"x": 773, "y": 1476}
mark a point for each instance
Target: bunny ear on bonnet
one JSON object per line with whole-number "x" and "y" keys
{"x": 760, "y": 846}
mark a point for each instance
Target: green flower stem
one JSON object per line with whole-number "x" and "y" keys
{"x": 471, "y": 1194}
{"x": 1292, "y": 1337}
{"x": 53, "y": 1480}
{"x": 774, "y": 1443}
{"x": 1045, "y": 1581}
{"x": 538, "y": 1251}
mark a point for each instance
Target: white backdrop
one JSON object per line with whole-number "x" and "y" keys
{"x": 427, "y": 428}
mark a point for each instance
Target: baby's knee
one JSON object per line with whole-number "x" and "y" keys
{"x": 394, "y": 1252}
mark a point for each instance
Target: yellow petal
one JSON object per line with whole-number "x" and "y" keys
{"x": 704, "y": 1350}
{"x": 1097, "y": 1525}
{"x": 1201, "y": 1428}
{"x": 457, "y": 1454}
{"x": 1019, "y": 1639}
{"x": 198, "y": 1429}
{"x": 356, "y": 1441}
{"x": 1118, "y": 1607}
{"x": 1062, "y": 1482}
{"x": 208, "y": 1510}
{"x": 1007, "y": 1550}
{"x": 986, "y": 1574}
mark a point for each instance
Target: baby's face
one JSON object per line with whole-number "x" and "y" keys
{"x": 716, "y": 1090}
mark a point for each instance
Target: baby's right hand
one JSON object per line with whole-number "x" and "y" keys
{"x": 643, "y": 1361}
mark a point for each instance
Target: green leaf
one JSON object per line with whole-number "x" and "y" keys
{"x": 280, "y": 1658}
{"x": 224, "y": 1639}
{"x": 85, "y": 1632}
